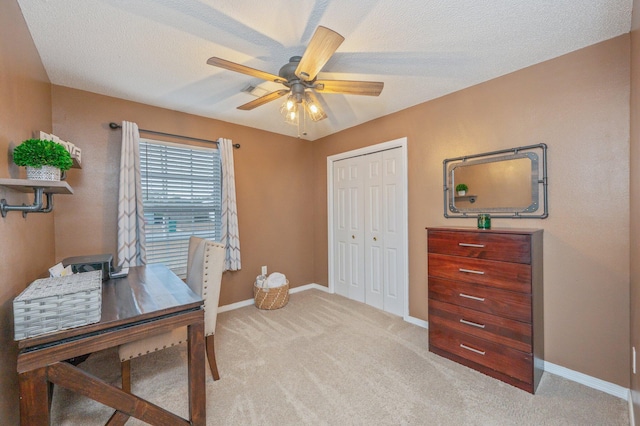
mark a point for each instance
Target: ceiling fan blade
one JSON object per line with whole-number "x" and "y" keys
{"x": 322, "y": 46}
{"x": 369, "y": 88}
{"x": 314, "y": 109}
{"x": 232, "y": 66}
{"x": 263, "y": 99}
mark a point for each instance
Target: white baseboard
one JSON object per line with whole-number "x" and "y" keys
{"x": 416, "y": 321}
{"x": 575, "y": 376}
{"x": 309, "y": 287}
{"x": 592, "y": 382}
{"x": 250, "y": 302}
{"x": 632, "y": 421}
{"x": 236, "y": 305}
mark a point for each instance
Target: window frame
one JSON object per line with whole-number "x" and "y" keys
{"x": 173, "y": 176}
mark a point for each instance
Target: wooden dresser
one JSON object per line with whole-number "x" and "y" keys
{"x": 485, "y": 301}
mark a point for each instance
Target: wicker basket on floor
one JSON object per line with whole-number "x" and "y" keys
{"x": 271, "y": 298}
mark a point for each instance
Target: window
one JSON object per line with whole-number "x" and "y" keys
{"x": 182, "y": 196}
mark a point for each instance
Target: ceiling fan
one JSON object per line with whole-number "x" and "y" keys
{"x": 299, "y": 76}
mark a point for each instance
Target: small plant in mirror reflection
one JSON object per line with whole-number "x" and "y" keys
{"x": 461, "y": 188}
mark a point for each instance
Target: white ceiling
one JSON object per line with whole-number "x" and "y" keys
{"x": 155, "y": 51}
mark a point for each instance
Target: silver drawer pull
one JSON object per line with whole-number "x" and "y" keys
{"x": 471, "y": 245}
{"x": 467, "y": 296}
{"x": 475, "y": 324}
{"x": 471, "y": 271}
{"x": 463, "y": 346}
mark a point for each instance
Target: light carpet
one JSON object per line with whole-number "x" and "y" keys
{"x": 327, "y": 360}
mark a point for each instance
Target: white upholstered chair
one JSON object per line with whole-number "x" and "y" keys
{"x": 204, "y": 274}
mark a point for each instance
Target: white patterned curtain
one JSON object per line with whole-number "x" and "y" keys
{"x": 131, "y": 242}
{"x": 230, "y": 234}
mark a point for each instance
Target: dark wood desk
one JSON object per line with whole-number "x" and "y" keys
{"x": 150, "y": 300}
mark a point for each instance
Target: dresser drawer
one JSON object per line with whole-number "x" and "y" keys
{"x": 508, "y": 276}
{"x": 515, "y": 334}
{"x": 508, "y": 304}
{"x": 491, "y": 246}
{"x": 497, "y": 357}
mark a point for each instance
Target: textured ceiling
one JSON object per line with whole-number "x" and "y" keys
{"x": 155, "y": 51}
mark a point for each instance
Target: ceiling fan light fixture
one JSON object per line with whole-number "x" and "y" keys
{"x": 290, "y": 104}
{"x": 289, "y": 110}
{"x": 312, "y": 107}
{"x": 291, "y": 118}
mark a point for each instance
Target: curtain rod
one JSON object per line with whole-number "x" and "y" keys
{"x": 115, "y": 126}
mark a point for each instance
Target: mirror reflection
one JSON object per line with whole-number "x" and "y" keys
{"x": 506, "y": 182}
{"x": 502, "y": 183}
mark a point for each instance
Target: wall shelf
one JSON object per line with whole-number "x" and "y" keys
{"x": 39, "y": 188}
{"x": 469, "y": 198}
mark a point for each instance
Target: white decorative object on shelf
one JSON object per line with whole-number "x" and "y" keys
{"x": 76, "y": 153}
{"x": 60, "y": 303}
{"x": 43, "y": 173}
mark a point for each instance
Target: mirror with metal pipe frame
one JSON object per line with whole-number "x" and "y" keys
{"x": 509, "y": 183}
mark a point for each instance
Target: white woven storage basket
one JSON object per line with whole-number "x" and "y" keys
{"x": 52, "y": 304}
{"x": 43, "y": 173}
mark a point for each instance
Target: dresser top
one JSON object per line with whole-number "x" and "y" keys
{"x": 486, "y": 231}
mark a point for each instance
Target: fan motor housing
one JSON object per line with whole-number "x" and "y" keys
{"x": 288, "y": 71}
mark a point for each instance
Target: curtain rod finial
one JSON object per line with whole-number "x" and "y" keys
{"x": 114, "y": 125}
{"x": 236, "y": 145}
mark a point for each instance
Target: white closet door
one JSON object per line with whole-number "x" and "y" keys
{"x": 369, "y": 229}
{"x": 393, "y": 230}
{"x": 349, "y": 228}
{"x": 374, "y": 229}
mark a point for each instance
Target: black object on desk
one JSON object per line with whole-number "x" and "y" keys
{"x": 96, "y": 262}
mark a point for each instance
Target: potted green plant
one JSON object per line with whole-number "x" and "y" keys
{"x": 44, "y": 159}
{"x": 461, "y": 189}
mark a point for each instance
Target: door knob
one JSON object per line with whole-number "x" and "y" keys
{"x": 375, "y": 239}
{"x": 353, "y": 237}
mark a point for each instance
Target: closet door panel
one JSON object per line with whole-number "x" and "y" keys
{"x": 394, "y": 221}
{"x": 373, "y": 240}
{"x": 349, "y": 229}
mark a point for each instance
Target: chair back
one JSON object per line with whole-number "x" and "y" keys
{"x": 205, "y": 264}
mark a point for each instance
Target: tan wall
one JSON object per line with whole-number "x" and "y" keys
{"x": 273, "y": 181}
{"x": 634, "y": 191}
{"x": 578, "y": 104}
{"x": 26, "y": 245}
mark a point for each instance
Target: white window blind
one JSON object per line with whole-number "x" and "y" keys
{"x": 182, "y": 196}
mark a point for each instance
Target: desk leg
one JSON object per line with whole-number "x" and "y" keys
{"x": 197, "y": 390}
{"x": 34, "y": 398}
